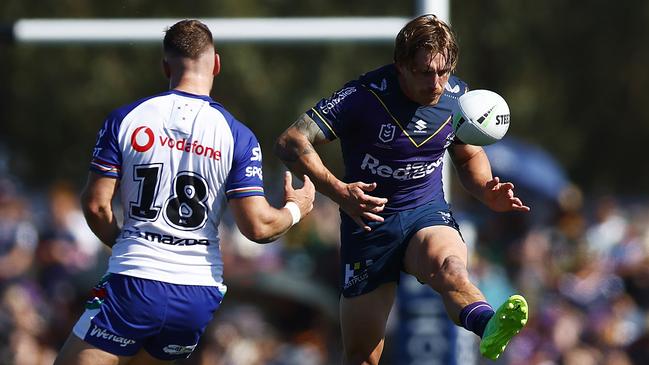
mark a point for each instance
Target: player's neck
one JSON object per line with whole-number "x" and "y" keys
{"x": 405, "y": 90}
{"x": 192, "y": 85}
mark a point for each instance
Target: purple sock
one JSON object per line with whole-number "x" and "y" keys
{"x": 474, "y": 317}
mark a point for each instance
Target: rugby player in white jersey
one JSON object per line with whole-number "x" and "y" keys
{"x": 177, "y": 159}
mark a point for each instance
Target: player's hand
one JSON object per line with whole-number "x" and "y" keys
{"x": 303, "y": 197}
{"x": 362, "y": 207}
{"x": 500, "y": 197}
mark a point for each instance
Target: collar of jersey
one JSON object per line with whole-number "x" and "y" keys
{"x": 190, "y": 95}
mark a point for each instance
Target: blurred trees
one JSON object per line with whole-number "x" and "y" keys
{"x": 574, "y": 77}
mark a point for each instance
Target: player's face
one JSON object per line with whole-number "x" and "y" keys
{"x": 424, "y": 80}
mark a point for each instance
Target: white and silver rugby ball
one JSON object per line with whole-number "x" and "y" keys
{"x": 482, "y": 117}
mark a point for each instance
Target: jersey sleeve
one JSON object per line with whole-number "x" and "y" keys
{"x": 334, "y": 113}
{"x": 245, "y": 177}
{"x": 457, "y": 87}
{"x": 106, "y": 156}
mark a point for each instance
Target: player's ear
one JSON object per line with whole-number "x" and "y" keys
{"x": 217, "y": 64}
{"x": 165, "y": 68}
{"x": 399, "y": 66}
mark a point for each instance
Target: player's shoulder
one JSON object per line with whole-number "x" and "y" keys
{"x": 237, "y": 127}
{"x": 122, "y": 111}
{"x": 356, "y": 92}
{"x": 382, "y": 80}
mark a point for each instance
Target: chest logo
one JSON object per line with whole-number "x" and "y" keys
{"x": 420, "y": 126}
{"x": 387, "y": 132}
{"x": 142, "y": 142}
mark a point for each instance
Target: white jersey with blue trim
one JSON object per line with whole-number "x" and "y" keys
{"x": 178, "y": 157}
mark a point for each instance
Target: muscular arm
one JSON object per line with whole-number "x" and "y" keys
{"x": 262, "y": 223}
{"x": 96, "y": 203}
{"x": 295, "y": 148}
{"x": 474, "y": 170}
{"x": 259, "y": 221}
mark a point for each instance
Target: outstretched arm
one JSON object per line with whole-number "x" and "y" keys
{"x": 295, "y": 147}
{"x": 262, "y": 223}
{"x": 96, "y": 201}
{"x": 474, "y": 171}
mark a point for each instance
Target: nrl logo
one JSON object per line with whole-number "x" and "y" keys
{"x": 387, "y": 132}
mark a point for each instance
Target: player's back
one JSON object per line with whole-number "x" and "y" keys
{"x": 176, "y": 153}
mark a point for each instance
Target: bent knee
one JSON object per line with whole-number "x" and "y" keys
{"x": 452, "y": 274}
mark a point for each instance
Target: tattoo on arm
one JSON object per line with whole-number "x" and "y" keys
{"x": 310, "y": 130}
{"x": 290, "y": 150}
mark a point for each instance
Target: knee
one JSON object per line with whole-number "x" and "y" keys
{"x": 452, "y": 273}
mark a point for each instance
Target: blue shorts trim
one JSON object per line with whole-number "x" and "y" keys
{"x": 369, "y": 259}
{"x": 125, "y": 314}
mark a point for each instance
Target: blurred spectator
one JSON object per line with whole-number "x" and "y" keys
{"x": 67, "y": 241}
{"x": 25, "y": 327}
{"x": 586, "y": 278}
{"x": 18, "y": 235}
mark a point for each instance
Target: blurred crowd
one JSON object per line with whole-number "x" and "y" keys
{"x": 583, "y": 265}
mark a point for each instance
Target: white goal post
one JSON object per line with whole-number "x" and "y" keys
{"x": 309, "y": 29}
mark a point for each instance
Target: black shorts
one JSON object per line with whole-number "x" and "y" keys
{"x": 369, "y": 259}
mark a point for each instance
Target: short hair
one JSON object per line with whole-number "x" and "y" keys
{"x": 188, "y": 38}
{"x": 426, "y": 31}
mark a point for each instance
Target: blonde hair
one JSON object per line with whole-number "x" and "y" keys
{"x": 428, "y": 32}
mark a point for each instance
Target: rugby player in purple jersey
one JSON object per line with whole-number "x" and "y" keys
{"x": 394, "y": 126}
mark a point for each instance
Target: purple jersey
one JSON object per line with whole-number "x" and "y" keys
{"x": 389, "y": 139}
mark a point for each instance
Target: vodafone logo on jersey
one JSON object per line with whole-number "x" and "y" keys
{"x": 143, "y": 139}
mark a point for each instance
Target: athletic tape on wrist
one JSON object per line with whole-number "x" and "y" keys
{"x": 294, "y": 210}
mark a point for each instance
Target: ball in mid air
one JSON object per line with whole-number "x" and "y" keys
{"x": 482, "y": 117}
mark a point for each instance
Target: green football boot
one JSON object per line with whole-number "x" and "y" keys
{"x": 508, "y": 320}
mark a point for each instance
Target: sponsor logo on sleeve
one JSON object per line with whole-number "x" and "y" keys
{"x": 336, "y": 99}
{"x": 252, "y": 171}
{"x": 256, "y": 154}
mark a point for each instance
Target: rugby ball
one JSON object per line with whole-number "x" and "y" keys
{"x": 482, "y": 117}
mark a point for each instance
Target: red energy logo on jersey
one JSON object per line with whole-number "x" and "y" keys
{"x": 149, "y": 143}
{"x": 183, "y": 145}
